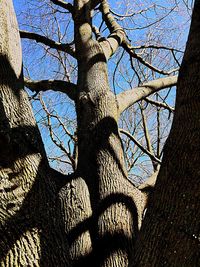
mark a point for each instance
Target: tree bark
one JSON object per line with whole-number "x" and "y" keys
{"x": 170, "y": 233}
{"x": 31, "y": 230}
{"x": 106, "y": 208}
{"x": 100, "y": 214}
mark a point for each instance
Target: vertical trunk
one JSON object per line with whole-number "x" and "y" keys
{"x": 170, "y": 233}
{"x": 30, "y": 227}
{"x": 111, "y": 220}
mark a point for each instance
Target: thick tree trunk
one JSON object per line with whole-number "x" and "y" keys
{"x": 170, "y": 234}
{"x": 107, "y": 211}
{"x": 30, "y": 227}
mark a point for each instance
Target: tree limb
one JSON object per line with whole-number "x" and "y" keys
{"x": 159, "y": 104}
{"x": 118, "y": 38}
{"x": 95, "y": 3}
{"x": 111, "y": 44}
{"x": 64, "y": 5}
{"x": 157, "y": 47}
{"x": 55, "y": 85}
{"x": 128, "y": 98}
{"x": 140, "y": 146}
{"x": 131, "y": 51}
{"x": 51, "y": 43}
{"x": 147, "y": 136}
{"x": 53, "y": 137}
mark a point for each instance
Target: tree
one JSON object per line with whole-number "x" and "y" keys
{"x": 30, "y": 218}
{"x": 93, "y": 216}
{"x": 43, "y": 21}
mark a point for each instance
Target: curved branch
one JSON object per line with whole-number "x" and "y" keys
{"x": 45, "y": 40}
{"x": 128, "y": 98}
{"x": 55, "y": 85}
{"x": 118, "y": 37}
{"x": 95, "y": 3}
{"x": 64, "y": 5}
{"x": 115, "y": 39}
{"x": 140, "y": 146}
{"x": 130, "y": 50}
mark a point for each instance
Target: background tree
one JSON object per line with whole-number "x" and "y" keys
{"x": 101, "y": 209}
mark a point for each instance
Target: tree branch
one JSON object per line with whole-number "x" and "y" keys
{"x": 159, "y": 104}
{"x": 131, "y": 51}
{"x": 55, "y": 85}
{"x": 157, "y": 47}
{"x": 95, "y": 3}
{"x": 123, "y": 16}
{"x": 118, "y": 37}
{"x": 128, "y": 98}
{"x": 111, "y": 44}
{"x": 147, "y": 135}
{"x": 140, "y": 146}
{"x": 53, "y": 137}
{"x": 51, "y": 43}
{"x": 64, "y": 5}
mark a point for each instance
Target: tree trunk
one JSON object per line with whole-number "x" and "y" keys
{"x": 170, "y": 234}
{"x": 107, "y": 211}
{"x": 31, "y": 231}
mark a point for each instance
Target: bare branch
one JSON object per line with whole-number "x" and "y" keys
{"x": 118, "y": 37}
{"x": 51, "y": 43}
{"x": 128, "y": 98}
{"x": 55, "y": 140}
{"x": 64, "y": 5}
{"x": 159, "y": 104}
{"x": 140, "y": 146}
{"x": 97, "y": 33}
{"x": 157, "y": 47}
{"x": 95, "y": 3}
{"x": 55, "y": 85}
{"x": 131, "y": 51}
{"x": 147, "y": 136}
{"x": 111, "y": 44}
{"x": 132, "y": 14}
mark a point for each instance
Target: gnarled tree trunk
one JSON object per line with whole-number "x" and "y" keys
{"x": 170, "y": 233}
{"x": 31, "y": 231}
{"x": 103, "y": 233}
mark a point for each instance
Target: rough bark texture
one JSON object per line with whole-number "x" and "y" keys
{"x": 170, "y": 234}
{"x": 102, "y": 210}
{"x": 30, "y": 226}
{"x": 105, "y": 207}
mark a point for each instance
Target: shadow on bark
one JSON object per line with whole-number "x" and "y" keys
{"x": 40, "y": 211}
{"x": 35, "y": 211}
{"x": 8, "y": 76}
{"x": 111, "y": 241}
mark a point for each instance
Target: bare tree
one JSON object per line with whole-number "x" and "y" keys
{"x": 56, "y": 24}
{"x": 93, "y": 216}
